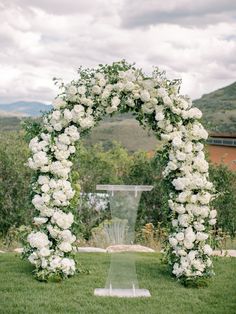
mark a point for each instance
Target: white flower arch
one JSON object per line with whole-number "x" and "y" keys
{"x": 156, "y": 103}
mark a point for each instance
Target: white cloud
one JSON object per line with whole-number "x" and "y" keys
{"x": 136, "y": 13}
{"x": 42, "y": 40}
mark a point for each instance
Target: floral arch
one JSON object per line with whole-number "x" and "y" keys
{"x": 156, "y": 103}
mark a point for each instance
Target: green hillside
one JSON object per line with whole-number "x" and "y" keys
{"x": 121, "y": 128}
{"x": 124, "y": 129}
{"x": 219, "y": 109}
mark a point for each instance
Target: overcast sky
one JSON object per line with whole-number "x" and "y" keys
{"x": 42, "y": 39}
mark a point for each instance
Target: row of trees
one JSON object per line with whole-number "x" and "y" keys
{"x": 94, "y": 165}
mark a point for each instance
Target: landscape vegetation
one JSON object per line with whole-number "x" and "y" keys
{"x": 117, "y": 151}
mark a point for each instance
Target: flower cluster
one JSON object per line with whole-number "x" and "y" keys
{"x": 157, "y": 104}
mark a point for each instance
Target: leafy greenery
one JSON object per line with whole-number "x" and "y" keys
{"x": 20, "y": 293}
{"x": 225, "y": 183}
{"x": 15, "y": 207}
{"x": 96, "y": 165}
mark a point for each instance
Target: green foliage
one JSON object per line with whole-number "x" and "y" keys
{"x": 32, "y": 127}
{"x": 15, "y": 176}
{"x": 225, "y": 184}
{"x": 94, "y": 165}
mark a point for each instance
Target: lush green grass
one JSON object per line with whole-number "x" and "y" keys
{"x": 20, "y": 293}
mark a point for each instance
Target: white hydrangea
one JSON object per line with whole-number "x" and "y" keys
{"x": 38, "y": 240}
{"x": 62, "y": 219}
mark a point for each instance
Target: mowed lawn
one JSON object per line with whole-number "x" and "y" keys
{"x": 21, "y": 293}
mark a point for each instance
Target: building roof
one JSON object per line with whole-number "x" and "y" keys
{"x": 222, "y": 135}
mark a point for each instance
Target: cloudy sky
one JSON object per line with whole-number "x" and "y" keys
{"x": 42, "y": 39}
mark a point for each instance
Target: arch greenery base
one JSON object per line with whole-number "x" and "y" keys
{"x": 156, "y": 103}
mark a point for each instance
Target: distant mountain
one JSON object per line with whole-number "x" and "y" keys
{"x": 219, "y": 109}
{"x": 23, "y": 108}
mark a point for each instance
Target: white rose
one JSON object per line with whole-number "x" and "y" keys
{"x": 40, "y": 220}
{"x": 145, "y": 96}
{"x": 96, "y": 90}
{"x": 81, "y": 89}
{"x": 45, "y": 188}
{"x": 184, "y": 220}
{"x": 68, "y": 266}
{"x": 188, "y": 244}
{"x": 198, "y": 226}
{"x": 190, "y": 235}
{"x": 129, "y": 86}
{"x": 184, "y": 196}
{"x": 194, "y": 113}
{"x": 201, "y": 236}
{"x": 72, "y": 90}
{"x": 115, "y": 101}
{"x": 58, "y": 103}
{"x": 63, "y": 220}
{"x": 174, "y": 222}
{"x": 102, "y": 82}
{"x": 68, "y": 115}
{"x": 65, "y": 247}
{"x": 207, "y": 249}
{"x": 67, "y": 236}
{"x": 177, "y": 141}
{"x": 43, "y": 179}
{"x": 87, "y": 122}
{"x": 212, "y": 222}
{"x": 106, "y": 94}
{"x": 181, "y": 156}
{"x": 180, "y": 236}
{"x": 205, "y": 198}
{"x": 173, "y": 242}
{"x": 55, "y": 263}
{"x": 56, "y": 115}
{"x": 159, "y": 116}
{"x": 213, "y": 214}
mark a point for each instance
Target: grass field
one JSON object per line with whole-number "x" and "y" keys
{"x": 21, "y": 293}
